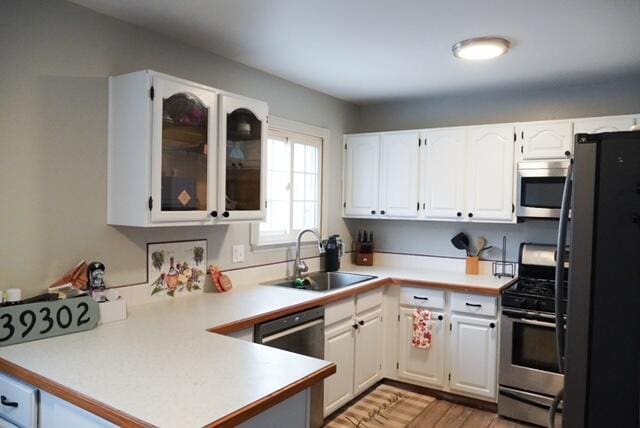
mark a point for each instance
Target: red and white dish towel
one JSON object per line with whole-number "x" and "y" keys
{"x": 421, "y": 329}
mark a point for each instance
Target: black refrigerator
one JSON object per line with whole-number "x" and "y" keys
{"x": 601, "y": 342}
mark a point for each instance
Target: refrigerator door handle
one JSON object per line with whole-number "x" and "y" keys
{"x": 560, "y": 255}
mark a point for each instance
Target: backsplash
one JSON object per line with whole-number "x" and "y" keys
{"x": 434, "y": 238}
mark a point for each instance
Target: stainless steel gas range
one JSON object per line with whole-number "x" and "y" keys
{"x": 529, "y": 376}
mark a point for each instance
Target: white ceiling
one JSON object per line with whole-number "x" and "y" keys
{"x": 376, "y": 50}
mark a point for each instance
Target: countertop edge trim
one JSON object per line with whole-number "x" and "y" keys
{"x": 249, "y": 322}
{"x": 81, "y": 400}
{"x": 236, "y": 326}
{"x": 247, "y": 412}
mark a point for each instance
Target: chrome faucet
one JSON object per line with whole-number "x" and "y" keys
{"x": 300, "y": 266}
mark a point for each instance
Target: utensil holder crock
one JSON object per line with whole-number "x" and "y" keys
{"x": 473, "y": 265}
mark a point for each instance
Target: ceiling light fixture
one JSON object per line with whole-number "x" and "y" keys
{"x": 481, "y": 48}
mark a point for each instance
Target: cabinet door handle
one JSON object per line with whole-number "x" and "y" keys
{"x": 361, "y": 322}
{"x": 420, "y": 298}
{"x": 6, "y": 402}
{"x": 567, "y": 153}
{"x": 459, "y": 214}
{"x": 470, "y": 215}
{"x": 214, "y": 213}
{"x": 373, "y": 212}
{"x": 382, "y": 212}
{"x": 355, "y": 326}
{"x": 473, "y": 305}
{"x": 492, "y": 325}
{"x": 225, "y": 214}
{"x": 440, "y": 317}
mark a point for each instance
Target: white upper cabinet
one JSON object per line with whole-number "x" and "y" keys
{"x": 183, "y": 165}
{"x": 462, "y": 173}
{"x": 546, "y": 140}
{"x": 490, "y": 181}
{"x": 242, "y": 152}
{"x": 473, "y": 356}
{"x": 361, "y": 183}
{"x": 442, "y": 174}
{"x": 162, "y": 151}
{"x": 603, "y": 124}
{"x": 182, "y": 154}
{"x": 398, "y": 174}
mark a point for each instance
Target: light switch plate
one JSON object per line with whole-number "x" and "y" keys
{"x": 238, "y": 253}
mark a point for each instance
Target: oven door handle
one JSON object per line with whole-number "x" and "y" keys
{"x": 535, "y": 322}
{"x": 548, "y": 321}
{"x": 524, "y": 400}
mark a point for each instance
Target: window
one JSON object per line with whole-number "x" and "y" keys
{"x": 294, "y": 181}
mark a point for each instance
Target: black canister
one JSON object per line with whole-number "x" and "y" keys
{"x": 333, "y": 253}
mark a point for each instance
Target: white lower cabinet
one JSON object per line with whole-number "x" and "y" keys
{"x": 425, "y": 366}
{"x": 353, "y": 341}
{"x": 48, "y": 411}
{"x": 463, "y": 355}
{"x": 339, "y": 349}
{"x": 368, "y": 357}
{"x": 291, "y": 413}
{"x": 473, "y": 355}
{"x": 57, "y": 413}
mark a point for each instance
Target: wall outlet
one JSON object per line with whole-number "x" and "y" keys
{"x": 238, "y": 253}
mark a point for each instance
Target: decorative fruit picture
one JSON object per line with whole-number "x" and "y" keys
{"x": 176, "y": 267}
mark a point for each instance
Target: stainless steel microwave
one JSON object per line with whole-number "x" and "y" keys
{"x": 540, "y": 185}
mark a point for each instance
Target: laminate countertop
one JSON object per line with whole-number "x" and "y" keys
{"x": 163, "y": 366}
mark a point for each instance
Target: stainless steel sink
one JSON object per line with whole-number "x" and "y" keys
{"x": 322, "y": 281}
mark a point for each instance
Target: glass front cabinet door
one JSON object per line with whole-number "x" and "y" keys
{"x": 242, "y": 159}
{"x": 183, "y": 170}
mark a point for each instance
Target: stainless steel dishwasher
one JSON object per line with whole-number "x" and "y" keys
{"x": 302, "y": 333}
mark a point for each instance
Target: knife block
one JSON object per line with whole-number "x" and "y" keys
{"x": 364, "y": 254}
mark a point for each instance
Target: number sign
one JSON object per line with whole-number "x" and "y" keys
{"x": 33, "y": 321}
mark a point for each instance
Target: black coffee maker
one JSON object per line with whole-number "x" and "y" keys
{"x": 333, "y": 253}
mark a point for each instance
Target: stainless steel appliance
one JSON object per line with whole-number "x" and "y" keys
{"x": 601, "y": 359}
{"x": 529, "y": 375}
{"x": 302, "y": 333}
{"x": 539, "y": 188}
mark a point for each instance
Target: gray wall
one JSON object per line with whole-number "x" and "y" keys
{"x": 434, "y": 238}
{"x": 619, "y": 96}
{"x": 54, "y": 61}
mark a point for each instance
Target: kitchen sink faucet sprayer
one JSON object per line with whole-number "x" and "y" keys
{"x": 300, "y": 266}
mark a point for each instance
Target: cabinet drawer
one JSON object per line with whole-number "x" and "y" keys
{"x": 418, "y": 296}
{"x": 368, "y": 300}
{"x": 474, "y": 304}
{"x": 340, "y": 310}
{"x": 25, "y": 414}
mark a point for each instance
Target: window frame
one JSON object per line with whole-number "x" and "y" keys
{"x": 285, "y": 126}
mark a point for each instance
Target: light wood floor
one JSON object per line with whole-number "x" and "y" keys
{"x": 444, "y": 414}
